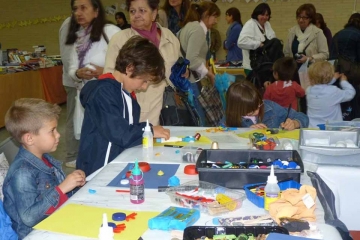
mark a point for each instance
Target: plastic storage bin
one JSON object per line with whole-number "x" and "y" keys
{"x": 343, "y": 126}
{"x": 258, "y": 200}
{"x": 237, "y": 178}
{"x": 327, "y": 154}
{"x": 196, "y": 232}
{"x": 206, "y": 190}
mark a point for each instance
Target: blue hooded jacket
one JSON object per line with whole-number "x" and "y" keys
{"x": 104, "y": 122}
{"x": 7, "y": 233}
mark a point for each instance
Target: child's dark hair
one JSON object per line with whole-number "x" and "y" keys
{"x": 261, "y": 9}
{"x": 242, "y": 98}
{"x": 285, "y": 68}
{"x": 27, "y": 115}
{"x": 143, "y": 56}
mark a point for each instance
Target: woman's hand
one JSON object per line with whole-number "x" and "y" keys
{"x": 302, "y": 59}
{"x": 186, "y": 74}
{"x": 86, "y": 73}
{"x": 290, "y": 124}
{"x": 258, "y": 126}
{"x": 99, "y": 70}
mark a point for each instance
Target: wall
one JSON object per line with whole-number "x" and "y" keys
{"x": 335, "y": 12}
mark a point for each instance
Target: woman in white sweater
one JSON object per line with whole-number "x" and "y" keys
{"x": 89, "y": 34}
{"x": 255, "y": 32}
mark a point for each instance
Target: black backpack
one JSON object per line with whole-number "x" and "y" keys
{"x": 269, "y": 53}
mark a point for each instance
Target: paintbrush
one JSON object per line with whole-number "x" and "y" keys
{"x": 287, "y": 115}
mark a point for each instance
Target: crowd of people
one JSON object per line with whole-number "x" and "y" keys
{"x": 132, "y": 63}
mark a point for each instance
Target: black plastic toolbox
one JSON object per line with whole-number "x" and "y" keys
{"x": 237, "y": 178}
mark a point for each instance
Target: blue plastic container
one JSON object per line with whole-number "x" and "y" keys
{"x": 258, "y": 200}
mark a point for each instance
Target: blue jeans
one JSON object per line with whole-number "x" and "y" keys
{"x": 197, "y": 105}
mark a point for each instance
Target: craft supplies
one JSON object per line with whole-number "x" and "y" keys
{"x": 174, "y": 218}
{"x": 271, "y": 190}
{"x": 214, "y": 145}
{"x": 137, "y": 190}
{"x": 147, "y": 142}
{"x": 171, "y": 139}
{"x": 262, "y": 142}
{"x": 206, "y": 197}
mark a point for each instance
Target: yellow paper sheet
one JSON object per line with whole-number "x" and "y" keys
{"x": 202, "y": 140}
{"x": 80, "y": 220}
{"x": 294, "y": 134}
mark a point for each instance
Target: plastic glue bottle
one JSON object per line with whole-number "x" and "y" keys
{"x": 106, "y": 232}
{"x": 137, "y": 189}
{"x": 147, "y": 142}
{"x": 272, "y": 189}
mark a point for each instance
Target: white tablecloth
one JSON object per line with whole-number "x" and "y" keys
{"x": 155, "y": 201}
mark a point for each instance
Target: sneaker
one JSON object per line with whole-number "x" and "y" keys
{"x": 71, "y": 164}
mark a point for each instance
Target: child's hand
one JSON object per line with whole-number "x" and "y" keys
{"x": 73, "y": 180}
{"x": 337, "y": 75}
{"x": 160, "y": 132}
{"x": 290, "y": 124}
{"x": 258, "y": 126}
{"x": 343, "y": 77}
{"x": 266, "y": 84}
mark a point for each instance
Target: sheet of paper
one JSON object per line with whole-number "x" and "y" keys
{"x": 294, "y": 134}
{"x": 85, "y": 221}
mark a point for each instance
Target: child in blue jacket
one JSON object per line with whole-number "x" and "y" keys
{"x": 246, "y": 108}
{"x": 35, "y": 185}
{"x": 111, "y": 120}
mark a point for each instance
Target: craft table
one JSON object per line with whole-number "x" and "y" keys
{"x": 45, "y": 83}
{"x": 107, "y": 197}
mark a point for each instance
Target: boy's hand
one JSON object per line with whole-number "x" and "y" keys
{"x": 290, "y": 124}
{"x": 343, "y": 77}
{"x": 266, "y": 84}
{"x": 73, "y": 180}
{"x": 337, "y": 75}
{"x": 258, "y": 126}
{"x": 160, "y": 132}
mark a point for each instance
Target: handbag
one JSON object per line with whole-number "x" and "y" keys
{"x": 78, "y": 116}
{"x": 304, "y": 76}
{"x": 348, "y": 67}
{"x": 209, "y": 99}
{"x": 176, "y": 110}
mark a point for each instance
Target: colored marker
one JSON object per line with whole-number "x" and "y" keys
{"x": 173, "y": 146}
{"x": 122, "y": 191}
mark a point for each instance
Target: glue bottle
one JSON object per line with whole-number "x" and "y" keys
{"x": 137, "y": 189}
{"x": 272, "y": 189}
{"x": 147, "y": 142}
{"x": 106, "y": 232}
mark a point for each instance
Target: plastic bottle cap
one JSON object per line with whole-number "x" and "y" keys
{"x": 119, "y": 216}
{"x": 136, "y": 169}
{"x": 272, "y": 178}
{"x": 147, "y": 127}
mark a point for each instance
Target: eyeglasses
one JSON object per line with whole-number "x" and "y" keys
{"x": 142, "y": 11}
{"x": 302, "y": 18}
{"x": 259, "y": 106}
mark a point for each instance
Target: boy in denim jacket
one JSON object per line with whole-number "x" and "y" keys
{"x": 35, "y": 185}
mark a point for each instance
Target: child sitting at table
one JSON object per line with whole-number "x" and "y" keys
{"x": 35, "y": 185}
{"x": 246, "y": 108}
{"x": 323, "y": 98}
{"x": 111, "y": 120}
{"x": 284, "y": 91}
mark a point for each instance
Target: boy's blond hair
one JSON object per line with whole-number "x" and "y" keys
{"x": 27, "y": 115}
{"x": 321, "y": 73}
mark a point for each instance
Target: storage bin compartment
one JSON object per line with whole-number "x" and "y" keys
{"x": 330, "y": 147}
{"x": 197, "y": 232}
{"x": 343, "y": 126}
{"x": 236, "y": 178}
{"x": 259, "y": 200}
{"x": 194, "y": 194}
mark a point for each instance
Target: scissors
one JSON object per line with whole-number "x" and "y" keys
{"x": 259, "y": 136}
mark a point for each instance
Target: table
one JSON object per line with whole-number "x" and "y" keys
{"x": 45, "y": 83}
{"x": 155, "y": 201}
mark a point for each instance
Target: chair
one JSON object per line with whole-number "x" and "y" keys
{"x": 10, "y": 148}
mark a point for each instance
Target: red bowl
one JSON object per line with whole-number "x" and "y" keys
{"x": 190, "y": 169}
{"x": 144, "y": 166}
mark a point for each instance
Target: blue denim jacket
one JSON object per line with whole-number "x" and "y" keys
{"x": 274, "y": 115}
{"x": 29, "y": 190}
